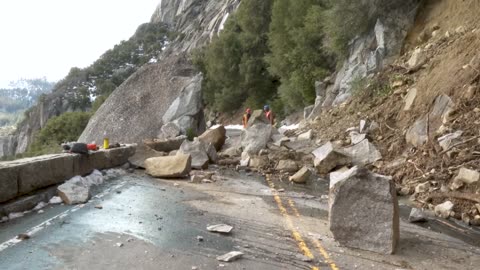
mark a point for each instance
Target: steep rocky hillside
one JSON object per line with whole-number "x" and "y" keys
{"x": 425, "y": 106}
{"x": 138, "y": 108}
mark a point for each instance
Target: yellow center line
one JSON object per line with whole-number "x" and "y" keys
{"x": 296, "y": 235}
{"x": 316, "y": 242}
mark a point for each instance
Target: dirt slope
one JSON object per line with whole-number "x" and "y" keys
{"x": 448, "y": 34}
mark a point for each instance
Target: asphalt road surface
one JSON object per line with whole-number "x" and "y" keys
{"x": 147, "y": 223}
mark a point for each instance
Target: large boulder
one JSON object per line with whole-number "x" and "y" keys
{"x": 143, "y": 153}
{"x": 169, "y": 167}
{"x": 258, "y": 116}
{"x": 328, "y": 158}
{"x": 135, "y": 110}
{"x": 74, "y": 191}
{"x": 198, "y": 151}
{"x": 165, "y": 145}
{"x": 256, "y": 137}
{"x": 216, "y": 136}
{"x": 364, "y": 211}
{"x": 77, "y": 189}
{"x": 363, "y": 153}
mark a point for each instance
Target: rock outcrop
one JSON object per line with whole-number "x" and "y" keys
{"x": 368, "y": 54}
{"x": 166, "y": 91}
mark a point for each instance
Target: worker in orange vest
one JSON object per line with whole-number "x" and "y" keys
{"x": 246, "y": 117}
{"x": 268, "y": 114}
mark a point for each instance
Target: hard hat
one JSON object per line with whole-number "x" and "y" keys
{"x": 266, "y": 108}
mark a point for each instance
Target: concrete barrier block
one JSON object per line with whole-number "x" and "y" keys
{"x": 8, "y": 183}
{"x": 44, "y": 171}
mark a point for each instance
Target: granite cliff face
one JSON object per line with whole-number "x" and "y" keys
{"x": 135, "y": 111}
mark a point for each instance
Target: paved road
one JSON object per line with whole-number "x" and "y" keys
{"x": 147, "y": 223}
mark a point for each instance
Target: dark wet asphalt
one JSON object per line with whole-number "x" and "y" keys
{"x": 135, "y": 208}
{"x": 141, "y": 208}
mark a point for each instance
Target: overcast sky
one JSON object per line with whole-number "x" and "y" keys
{"x": 47, "y": 37}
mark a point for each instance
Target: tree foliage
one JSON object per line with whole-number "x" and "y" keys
{"x": 233, "y": 64}
{"x": 270, "y": 51}
{"x": 64, "y": 128}
{"x": 297, "y": 55}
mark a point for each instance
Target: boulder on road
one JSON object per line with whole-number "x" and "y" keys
{"x": 212, "y": 153}
{"x": 74, "y": 191}
{"x": 255, "y": 138}
{"x": 364, "y": 212}
{"x": 257, "y": 117}
{"x": 198, "y": 151}
{"x": 328, "y": 158}
{"x": 169, "y": 167}
{"x": 142, "y": 153}
{"x": 215, "y": 136}
{"x": 165, "y": 145}
{"x": 287, "y": 166}
{"x": 301, "y": 176}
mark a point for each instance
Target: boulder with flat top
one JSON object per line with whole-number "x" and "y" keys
{"x": 364, "y": 211}
{"x": 169, "y": 166}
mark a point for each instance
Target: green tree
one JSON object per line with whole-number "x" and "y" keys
{"x": 233, "y": 64}
{"x": 64, "y": 128}
{"x": 298, "y": 56}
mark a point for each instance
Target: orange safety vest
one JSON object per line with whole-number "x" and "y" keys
{"x": 269, "y": 116}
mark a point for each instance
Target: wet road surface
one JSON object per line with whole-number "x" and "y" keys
{"x": 148, "y": 223}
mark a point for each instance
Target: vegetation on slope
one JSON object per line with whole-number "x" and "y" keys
{"x": 274, "y": 51}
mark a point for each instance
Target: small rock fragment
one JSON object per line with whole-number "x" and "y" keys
{"x": 230, "y": 257}
{"x": 200, "y": 238}
{"x": 444, "y": 210}
{"x": 98, "y": 207}
{"x": 220, "y": 228}
{"x": 417, "y": 215}
{"x": 303, "y": 258}
{"x": 421, "y": 188}
{"x": 23, "y": 236}
{"x": 301, "y": 176}
{"x": 119, "y": 244}
{"x": 467, "y": 176}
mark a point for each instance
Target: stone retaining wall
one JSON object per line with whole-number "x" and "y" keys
{"x": 23, "y": 176}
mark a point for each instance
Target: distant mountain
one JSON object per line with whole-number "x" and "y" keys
{"x": 21, "y": 95}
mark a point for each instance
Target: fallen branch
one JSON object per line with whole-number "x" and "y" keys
{"x": 458, "y": 144}
{"x": 416, "y": 167}
{"x": 456, "y": 195}
{"x": 392, "y": 129}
